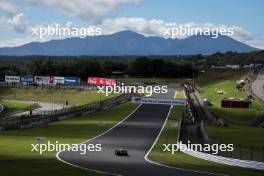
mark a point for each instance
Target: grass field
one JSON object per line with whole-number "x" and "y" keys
{"x": 244, "y": 116}
{"x": 13, "y": 108}
{"x": 15, "y": 105}
{"x": 180, "y": 94}
{"x": 74, "y": 97}
{"x": 16, "y": 157}
{"x": 181, "y": 160}
{"x": 239, "y": 130}
{"x": 246, "y": 136}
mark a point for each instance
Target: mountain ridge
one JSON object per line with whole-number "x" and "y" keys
{"x": 129, "y": 43}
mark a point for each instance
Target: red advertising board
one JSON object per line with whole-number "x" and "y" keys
{"x": 101, "y": 81}
{"x": 51, "y": 79}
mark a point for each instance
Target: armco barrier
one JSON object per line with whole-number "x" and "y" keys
{"x": 227, "y": 161}
{"x": 253, "y": 154}
{"x": 39, "y": 119}
{"x": 58, "y": 86}
{"x": 1, "y": 108}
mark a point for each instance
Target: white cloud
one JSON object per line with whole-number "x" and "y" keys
{"x": 140, "y": 25}
{"x": 88, "y": 10}
{"x": 248, "y": 38}
{"x": 156, "y": 27}
{"x": 8, "y": 7}
{"x": 153, "y": 27}
{"x": 16, "y": 22}
{"x": 95, "y": 11}
{"x": 15, "y": 42}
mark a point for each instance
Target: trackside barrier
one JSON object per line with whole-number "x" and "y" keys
{"x": 227, "y": 161}
{"x": 1, "y": 108}
{"x": 51, "y": 86}
{"x": 240, "y": 153}
{"x": 43, "y": 118}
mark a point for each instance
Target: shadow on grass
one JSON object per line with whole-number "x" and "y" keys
{"x": 41, "y": 167}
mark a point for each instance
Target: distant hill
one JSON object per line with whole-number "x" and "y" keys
{"x": 129, "y": 43}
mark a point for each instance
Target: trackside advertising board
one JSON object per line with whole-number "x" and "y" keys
{"x": 71, "y": 80}
{"x": 2, "y": 78}
{"x": 27, "y": 78}
{"x": 58, "y": 80}
{"x": 145, "y": 100}
{"x": 101, "y": 81}
{"x": 40, "y": 80}
{"x": 12, "y": 79}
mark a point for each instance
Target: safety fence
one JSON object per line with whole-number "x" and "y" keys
{"x": 54, "y": 86}
{"x": 251, "y": 152}
{"x": 43, "y": 118}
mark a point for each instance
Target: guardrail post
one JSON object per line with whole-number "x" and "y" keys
{"x": 263, "y": 153}
{"x": 251, "y": 152}
{"x": 241, "y": 152}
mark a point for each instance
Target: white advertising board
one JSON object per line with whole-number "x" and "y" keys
{"x": 42, "y": 80}
{"x": 145, "y": 100}
{"x": 12, "y": 79}
{"x": 58, "y": 80}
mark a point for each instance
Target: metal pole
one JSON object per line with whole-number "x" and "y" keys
{"x": 193, "y": 80}
{"x": 263, "y": 153}
{"x": 251, "y": 152}
{"x": 241, "y": 152}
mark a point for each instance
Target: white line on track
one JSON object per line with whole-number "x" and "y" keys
{"x": 58, "y": 157}
{"x": 159, "y": 164}
{"x": 146, "y": 156}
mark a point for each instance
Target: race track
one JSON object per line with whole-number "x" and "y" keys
{"x": 136, "y": 134}
{"x": 258, "y": 85}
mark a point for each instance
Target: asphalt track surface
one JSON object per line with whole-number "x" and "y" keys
{"x": 44, "y": 107}
{"x": 258, "y": 85}
{"x": 136, "y": 134}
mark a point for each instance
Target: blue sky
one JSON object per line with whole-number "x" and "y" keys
{"x": 18, "y": 16}
{"x": 248, "y": 14}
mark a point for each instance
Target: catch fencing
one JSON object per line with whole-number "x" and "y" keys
{"x": 43, "y": 118}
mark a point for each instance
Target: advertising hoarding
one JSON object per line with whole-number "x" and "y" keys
{"x": 163, "y": 101}
{"x": 101, "y": 81}
{"x": 40, "y": 80}
{"x": 27, "y": 79}
{"x": 12, "y": 79}
{"x": 57, "y": 80}
{"x": 71, "y": 80}
{"x": 2, "y": 78}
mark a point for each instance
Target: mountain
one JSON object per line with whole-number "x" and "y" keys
{"x": 129, "y": 43}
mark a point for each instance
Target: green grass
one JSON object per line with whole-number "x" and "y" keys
{"x": 13, "y": 108}
{"x": 41, "y": 167}
{"x": 181, "y": 160}
{"x": 73, "y": 96}
{"x": 237, "y": 134}
{"x": 180, "y": 94}
{"x": 243, "y": 116}
{"x": 239, "y": 130}
{"x": 15, "y": 105}
{"x": 16, "y": 157}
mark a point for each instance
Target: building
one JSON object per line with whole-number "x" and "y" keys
{"x": 235, "y": 103}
